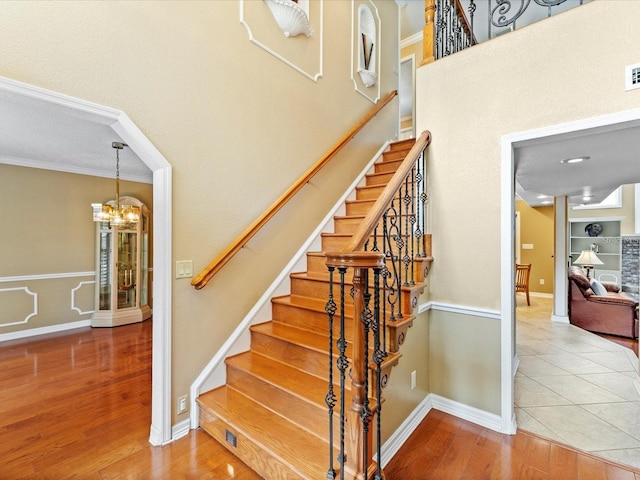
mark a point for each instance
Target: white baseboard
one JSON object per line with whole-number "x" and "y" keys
{"x": 560, "y": 318}
{"x": 393, "y": 444}
{"x": 432, "y": 401}
{"x": 466, "y": 412}
{"x": 32, "y": 332}
{"x": 180, "y": 429}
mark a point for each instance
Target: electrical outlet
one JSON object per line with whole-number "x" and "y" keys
{"x": 413, "y": 380}
{"x": 183, "y": 405}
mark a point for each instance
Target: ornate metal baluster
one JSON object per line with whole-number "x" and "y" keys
{"x": 378, "y": 357}
{"x": 392, "y": 279}
{"x": 330, "y": 399}
{"x": 365, "y": 414}
{"x": 472, "y": 11}
{"x": 343, "y": 364}
{"x": 412, "y": 224}
{"x": 408, "y": 240}
{"x": 420, "y": 203}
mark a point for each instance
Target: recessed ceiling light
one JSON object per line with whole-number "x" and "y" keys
{"x": 542, "y": 196}
{"x": 547, "y": 202}
{"x": 586, "y": 198}
{"x": 575, "y": 160}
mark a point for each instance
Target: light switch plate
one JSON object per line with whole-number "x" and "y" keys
{"x": 184, "y": 268}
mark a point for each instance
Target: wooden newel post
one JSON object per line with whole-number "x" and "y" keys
{"x": 361, "y": 262}
{"x": 429, "y": 32}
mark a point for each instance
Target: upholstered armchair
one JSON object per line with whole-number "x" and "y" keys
{"x": 605, "y": 310}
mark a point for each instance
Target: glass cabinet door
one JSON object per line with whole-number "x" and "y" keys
{"x": 127, "y": 268}
{"x": 104, "y": 272}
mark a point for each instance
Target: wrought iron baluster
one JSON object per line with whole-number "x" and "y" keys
{"x": 378, "y": 357}
{"x": 392, "y": 280}
{"x": 404, "y": 251}
{"x": 343, "y": 364}
{"x": 400, "y": 244}
{"x": 412, "y": 223}
{"x": 420, "y": 216}
{"x": 330, "y": 399}
{"x": 366, "y": 319}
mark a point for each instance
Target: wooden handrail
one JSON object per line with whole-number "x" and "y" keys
{"x": 227, "y": 254}
{"x": 375, "y": 214}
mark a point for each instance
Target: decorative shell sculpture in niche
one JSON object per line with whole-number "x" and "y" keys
{"x": 367, "y": 49}
{"x": 290, "y": 17}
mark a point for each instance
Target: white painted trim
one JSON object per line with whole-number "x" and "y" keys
{"x": 507, "y": 287}
{"x": 32, "y": 332}
{"x": 46, "y": 276}
{"x": 460, "y": 309}
{"x": 22, "y": 162}
{"x": 516, "y": 364}
{"x": 162, "y": 289}
{"x": 355, "y": 21}
{"x": 33, "y": 312}
{"x": 253, "y": 40}
{"x": 180, "y": 429}
{"x": 404, "y": 431}
{"x": 217, "y": 361}
{"x": 73, "y": 297}
{"x": 560, "y": 318}
{"x": 416, "y": 37}
{"x": 469, "y": 413}
{"x": 436, "y": 402}
{"x": 507, "y": 201}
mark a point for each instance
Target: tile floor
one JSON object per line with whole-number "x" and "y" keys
{"x": 575, "y": 387}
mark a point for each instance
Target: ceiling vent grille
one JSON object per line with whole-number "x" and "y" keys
{"x": 632, "y": 77}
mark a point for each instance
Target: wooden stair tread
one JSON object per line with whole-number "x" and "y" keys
{"x": 298, "y": 336}
{"x": 293, "y": 446}
{"x": 295, "y": 381}
{"x": 308, "y": 339}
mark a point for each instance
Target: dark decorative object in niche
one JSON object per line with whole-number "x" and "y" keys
{"x": 593, "y": 229}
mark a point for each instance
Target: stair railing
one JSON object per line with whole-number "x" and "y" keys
{"x": 228, "y": 253}
{"x": 381, "y": 257}
{"x": 449, "y": 28}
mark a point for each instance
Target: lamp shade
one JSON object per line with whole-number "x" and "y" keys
{"x": 588, "y": 257}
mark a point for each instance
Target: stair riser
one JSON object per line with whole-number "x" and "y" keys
{"x": 403, "y": 144}
{"x": 394, "y": 155}
{"x": 369, "y": 193}
{"x": 318, "y": 288}
{"x": 387, "y": 166}
{"x": 335, "y": 243}
{"x": 379, "y": 179}
{"x": 312, "y": 417}
{"x": 308, "y": 360}
{"x": 246, "y": 450}
{"x": 309, "y": 319}
{"x": 359, "y": 208}
{"x": 318, "y": 265}
{"x": 350, "y": 225}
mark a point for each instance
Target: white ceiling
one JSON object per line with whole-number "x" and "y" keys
{"x": 39, "y": 134}
{"x": 43, "y": 135}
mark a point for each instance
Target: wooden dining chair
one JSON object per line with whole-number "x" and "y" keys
{"x": 522, "y": 279}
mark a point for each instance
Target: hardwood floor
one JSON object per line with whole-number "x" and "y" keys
{"x": 78, "y": 406}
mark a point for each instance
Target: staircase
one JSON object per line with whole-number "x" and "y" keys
{"x": 272, "y": 412}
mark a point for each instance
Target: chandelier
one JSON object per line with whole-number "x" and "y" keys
{"x": 120, "y": 216}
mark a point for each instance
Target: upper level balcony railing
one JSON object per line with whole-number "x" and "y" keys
{"x": 453, "y": 25}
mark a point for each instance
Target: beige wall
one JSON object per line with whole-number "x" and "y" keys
{"x": 536, "y": 228}
{"x": 48, "y": 230}
{"x": 237, "y": 125}
{"x": 555, "y": 71}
